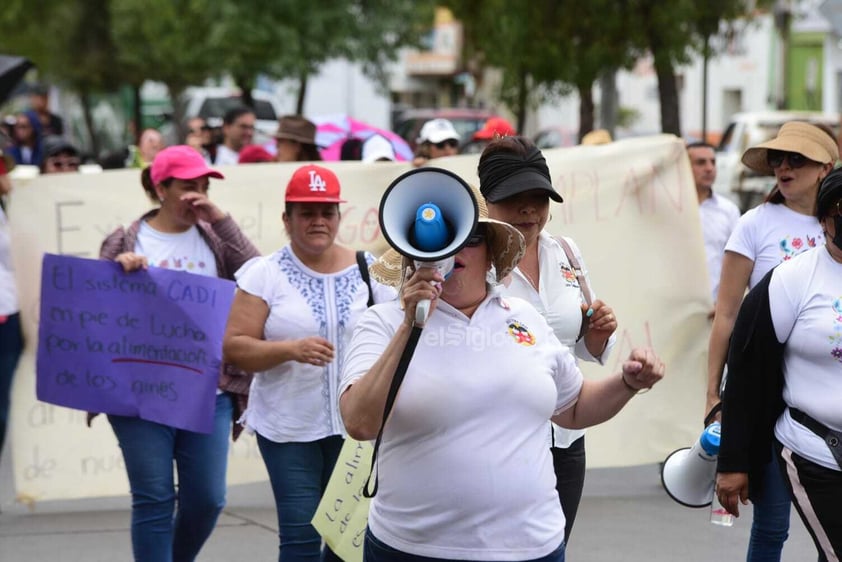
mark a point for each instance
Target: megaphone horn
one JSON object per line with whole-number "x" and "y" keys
{"x": 427, "y": 215}
{"x": 688, "y": 474}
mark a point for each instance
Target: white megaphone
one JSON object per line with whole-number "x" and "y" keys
{"x": 428, "y": 215}
{"x": 688, "y": 475}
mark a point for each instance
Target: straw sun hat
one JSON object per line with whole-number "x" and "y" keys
{"x": 505, "y": 243}
{"x": 795, "y": 136}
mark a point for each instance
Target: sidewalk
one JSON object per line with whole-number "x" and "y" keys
{"x": 625, "y": 515}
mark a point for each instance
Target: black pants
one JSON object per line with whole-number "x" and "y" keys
{"x": 817, "y": 494}
{"x": 569, "y": 466}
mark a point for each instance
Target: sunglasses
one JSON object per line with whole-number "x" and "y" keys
{"x": 475, "y": 239}
{"x": 449, "y": 143}
{"x": 775, "y": 158}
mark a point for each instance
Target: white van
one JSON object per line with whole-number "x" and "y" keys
{"x": 735, "y": 181}
{"x": 212, "y": 103}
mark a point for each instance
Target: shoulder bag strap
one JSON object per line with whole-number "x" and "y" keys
{"x": 580, "y": 277}
{"x": 363, "y": 265}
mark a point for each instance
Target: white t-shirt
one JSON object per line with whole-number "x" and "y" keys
{"x": 183, "y": 251}
{"x": 719, "y": 216}
{"x": 559, "y": 301}
{"x": 805, "y": 296}
{"x": 225, "y": 156}
{"x": 8, "y": 286}
{"x": 770, "y": 234}
{"x": 298, "y": 402}
{"x": 464, "y": 467}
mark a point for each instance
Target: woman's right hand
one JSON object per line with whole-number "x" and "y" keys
{"x": 422, "y": 284}
{"x": 131, "y": 261}
{"x": 314, "y": 350}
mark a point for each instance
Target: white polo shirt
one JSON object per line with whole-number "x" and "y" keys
{"x": 559, "y": 300}
{"x": 464, "y": 467}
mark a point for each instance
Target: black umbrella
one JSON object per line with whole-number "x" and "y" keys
{"x": 12, "y": 70}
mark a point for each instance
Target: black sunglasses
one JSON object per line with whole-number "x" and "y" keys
{"x": 476, "y": 239}
{"x": 452, "y": 143}
{"x": 775, "y": 158}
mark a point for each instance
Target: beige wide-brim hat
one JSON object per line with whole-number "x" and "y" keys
{"x": 794, "y": 136}
{"x": 505, "y": 242}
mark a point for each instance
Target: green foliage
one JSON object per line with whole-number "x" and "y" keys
{"x": 165, "y": 40}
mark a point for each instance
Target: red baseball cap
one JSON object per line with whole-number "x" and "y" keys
{"x": 181, "y": 162}
{"x": 254, "y": 154}
{"x": 495, "y": 126}
{"x": 313, "y": 184}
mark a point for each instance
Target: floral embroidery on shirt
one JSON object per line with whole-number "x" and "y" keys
{"x": 836, "y": 338}
{"x": 791, "y": 246}
{"x": 183, "y": 264}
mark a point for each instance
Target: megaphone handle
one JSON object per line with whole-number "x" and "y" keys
{"x": 422, "y": 311}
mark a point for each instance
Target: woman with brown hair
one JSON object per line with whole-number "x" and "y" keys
{"x": 187, "y": 232}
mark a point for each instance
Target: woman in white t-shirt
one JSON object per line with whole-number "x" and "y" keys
{"x": 290, "y": 324}
{"x": 784, "y": 373}
{"x": 800, "y": 157}
{"x": 516, "y": 185}
{"x": 188, "y": 232}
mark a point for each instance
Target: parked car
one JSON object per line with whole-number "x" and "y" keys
{"x": 466, "y": 121}
{"x": 212, "y": 103}
{"x": 734, "y": 180}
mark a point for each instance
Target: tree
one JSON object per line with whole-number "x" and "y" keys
{"x": 673, "y": 31}
{"x": 166, "y": 41}
{"x": 293, "y": 38}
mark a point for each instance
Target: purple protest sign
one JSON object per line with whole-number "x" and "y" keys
{"x": 145, "y": 344}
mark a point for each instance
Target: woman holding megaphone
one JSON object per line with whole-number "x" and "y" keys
{"x": 464, "y": 468}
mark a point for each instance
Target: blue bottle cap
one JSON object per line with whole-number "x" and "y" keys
{"x": 710, "y": 439}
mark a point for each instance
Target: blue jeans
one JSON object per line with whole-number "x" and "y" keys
{"x": 299, "y": 473}
{"x": 375, "y": 550}
{"x": 11, "y": 346}
{"x": 770, "y": 527}
{"x": 201, "y": 461}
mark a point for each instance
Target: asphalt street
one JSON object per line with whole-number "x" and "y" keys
{"x": 625, "y": 515}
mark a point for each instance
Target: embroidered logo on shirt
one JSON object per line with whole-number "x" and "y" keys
{"x": 520, "y": 333}
{"x": 568, "y": 275}
{"x": 836, "y": 338}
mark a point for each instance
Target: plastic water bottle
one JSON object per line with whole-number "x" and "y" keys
{"x": 710, "y": 443}
{"x": 430, "y": 231}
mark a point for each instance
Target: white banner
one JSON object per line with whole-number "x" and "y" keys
{"x": 630, "y": 206}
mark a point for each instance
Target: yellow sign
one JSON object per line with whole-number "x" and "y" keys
{"x": 342, "y": 515}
